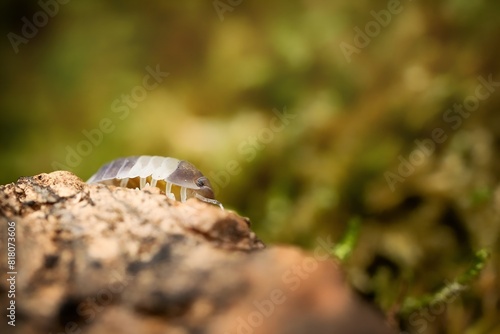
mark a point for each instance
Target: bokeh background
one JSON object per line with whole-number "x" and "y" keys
{"x": 351, "y": 119}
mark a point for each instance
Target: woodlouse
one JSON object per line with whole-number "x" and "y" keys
{"x": 179, "y": 177}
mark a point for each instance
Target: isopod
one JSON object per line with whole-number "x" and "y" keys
{"x": 179, "y": 177}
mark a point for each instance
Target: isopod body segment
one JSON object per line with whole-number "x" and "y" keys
{"x": 177, "y": 176}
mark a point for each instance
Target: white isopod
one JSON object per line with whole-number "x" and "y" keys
{"x": 178, "y": 176}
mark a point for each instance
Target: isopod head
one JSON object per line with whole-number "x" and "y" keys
{"x": 187, "y": 175}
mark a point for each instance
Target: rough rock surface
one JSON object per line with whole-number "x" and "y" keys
{"x": 98, "y": 259}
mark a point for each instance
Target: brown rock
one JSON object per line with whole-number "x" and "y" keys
{"x": 98, "y": 259}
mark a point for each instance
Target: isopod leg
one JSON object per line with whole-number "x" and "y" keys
{"x": 153, "y": 182}
{"x": 183, "y": 194}
{"x": 168, "y": 191}
{"x": 123, "y": 182}
{"x": 142, "y": 182}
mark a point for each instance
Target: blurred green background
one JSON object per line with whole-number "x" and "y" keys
{"x": 73, "y": 97}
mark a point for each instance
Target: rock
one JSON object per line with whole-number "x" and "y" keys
{"x": 99, "y": 259}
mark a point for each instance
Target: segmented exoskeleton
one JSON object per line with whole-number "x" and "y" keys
{"x": 179, "y": 176}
